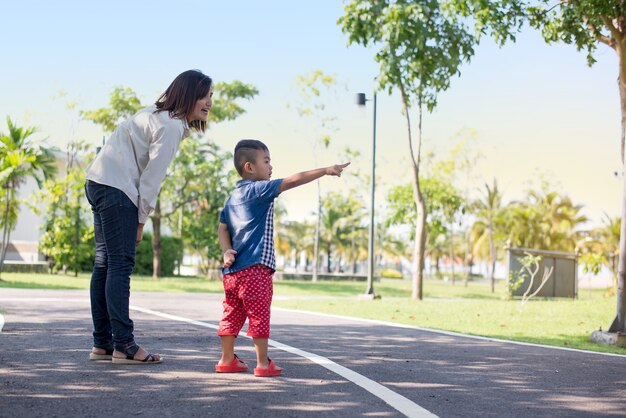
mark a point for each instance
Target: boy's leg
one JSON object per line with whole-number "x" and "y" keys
{"x": 258, "y": 300}
{"x": 260, "y": 346}
{"x": 233, "y": 318}
{"x": 228, "y": 349}
{"x": 263, "y": 360}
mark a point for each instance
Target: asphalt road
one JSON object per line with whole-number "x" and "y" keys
{"x": 334, "y": 367}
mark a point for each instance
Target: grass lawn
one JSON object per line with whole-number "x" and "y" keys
{"x": 469, "y": 310}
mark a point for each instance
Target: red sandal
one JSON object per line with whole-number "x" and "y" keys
{"x": 269, "y": 371}
{"x": 235, "y": 366}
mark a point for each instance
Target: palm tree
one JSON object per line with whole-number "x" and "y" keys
{"x": 339, "y": 213}
{"x": 604, "y": 241}
{"x": 20, "y": 160}
{"x": 545, "y": 220}
{"x": 488, "y": 209}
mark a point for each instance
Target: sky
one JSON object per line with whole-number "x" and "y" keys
{"x": 532, "y": 110}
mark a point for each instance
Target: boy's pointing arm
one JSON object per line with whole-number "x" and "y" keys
{"x": 304, "y": 177}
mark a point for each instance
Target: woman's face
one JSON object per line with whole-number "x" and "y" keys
{"x": 202, "y": 107}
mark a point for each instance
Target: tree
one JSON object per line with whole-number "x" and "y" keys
{"x": 488, "y": 210}
{"x": 199, "y": 181}
{"x": 583, "y": 23}
{"x": 195, "y": 190}
{"x": 602, "y": 244}
{"x": 545, "y": 219}
{"x": 67, "y": 239}
{"x": 20, "y": 159}
{"x": 123, "y": 103}
{"x": 312, "y": 87}
{"x": 340, "y": 214}
{"x": 420, "y": 48}
{"x": 443, "y": 202}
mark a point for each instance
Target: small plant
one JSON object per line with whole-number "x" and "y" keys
{"x": 531, "y": 264}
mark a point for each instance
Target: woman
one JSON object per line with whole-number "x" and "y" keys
{"x": 122, "y": 187}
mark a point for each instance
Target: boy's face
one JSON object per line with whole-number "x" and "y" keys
{"x": 261, "y": 168}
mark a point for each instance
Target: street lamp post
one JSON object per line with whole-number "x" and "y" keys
{"x": 360, "y": 100}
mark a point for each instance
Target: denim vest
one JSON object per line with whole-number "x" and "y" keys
{"x": 249, "y": 215}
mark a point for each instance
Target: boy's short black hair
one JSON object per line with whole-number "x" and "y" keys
{"x": 245, "y": 152}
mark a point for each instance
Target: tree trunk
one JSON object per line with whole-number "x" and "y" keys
{"x": 328, "y": 260}
{"x": 452, "y": 253}
{"x": 420, "y": 224}
{"x": 469, "y": 260}
{"x": 156, "y": 240}
{"x": 316, "y": 244}
{"x": 420, "y": 248}
{"x": 492, "y": 256}
{"x": 76, "y": 235}
{"x": 6, "y": 233}
{"x": 619, "y": 323}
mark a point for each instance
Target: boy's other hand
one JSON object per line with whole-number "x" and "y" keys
{"x": 229, "y": 258}
{"x": 335, "y": 170}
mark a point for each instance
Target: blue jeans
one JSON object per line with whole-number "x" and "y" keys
{"x": 115, "y": 220}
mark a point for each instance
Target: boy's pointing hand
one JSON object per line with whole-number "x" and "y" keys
{"x": 335, "y": 170}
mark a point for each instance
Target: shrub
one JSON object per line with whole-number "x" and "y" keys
{"x": 171, "y": 255}
{"x": 391, "y": 274}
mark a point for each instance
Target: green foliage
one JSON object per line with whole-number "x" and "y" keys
{"x": 581, "y": 23}
{"x": 420, "y": 47}
{"x": 516, "y": 280}
{"x": 123, "y": 103}
{"x": 20, "y": 159}
{"x": 198, "y": 184}
{"x": 500, "y": 19}
{"x": 171, "y": 255}
{"x": 444, "y": 201}
{"x": 341, "y": 230}
{"x": 592, "y": 263}
{"x": 584, "y": 23}
{"x": 544, "y": 219}
{"x": 68, "y": 239}
{"x": 225, "y": 106}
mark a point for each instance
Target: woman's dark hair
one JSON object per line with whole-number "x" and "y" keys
{"x": 245, "y": 152}
{"x": 181, "y": 96}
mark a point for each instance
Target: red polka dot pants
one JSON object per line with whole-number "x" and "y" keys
{"x": 247, "y": 294}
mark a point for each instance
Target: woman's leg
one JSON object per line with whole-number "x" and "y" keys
{"x": 102, "y": 335}
{"x": 119, "y": 225}
{"x": 115, "y": 223}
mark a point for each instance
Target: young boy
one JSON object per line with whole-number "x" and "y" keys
{"x": 246, "y": 236}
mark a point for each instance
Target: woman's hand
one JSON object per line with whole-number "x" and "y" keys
{"x": 139, "y": 234}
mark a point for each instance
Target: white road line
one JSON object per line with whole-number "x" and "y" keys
{"x": 395, "y": 400}
{"x": 1, "y": 322}
{"x": 374, "y": 321}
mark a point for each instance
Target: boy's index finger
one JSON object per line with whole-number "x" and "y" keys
{"x": 344, "y": 165}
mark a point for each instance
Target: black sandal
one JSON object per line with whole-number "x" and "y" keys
{"x": 130, "y": 357}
